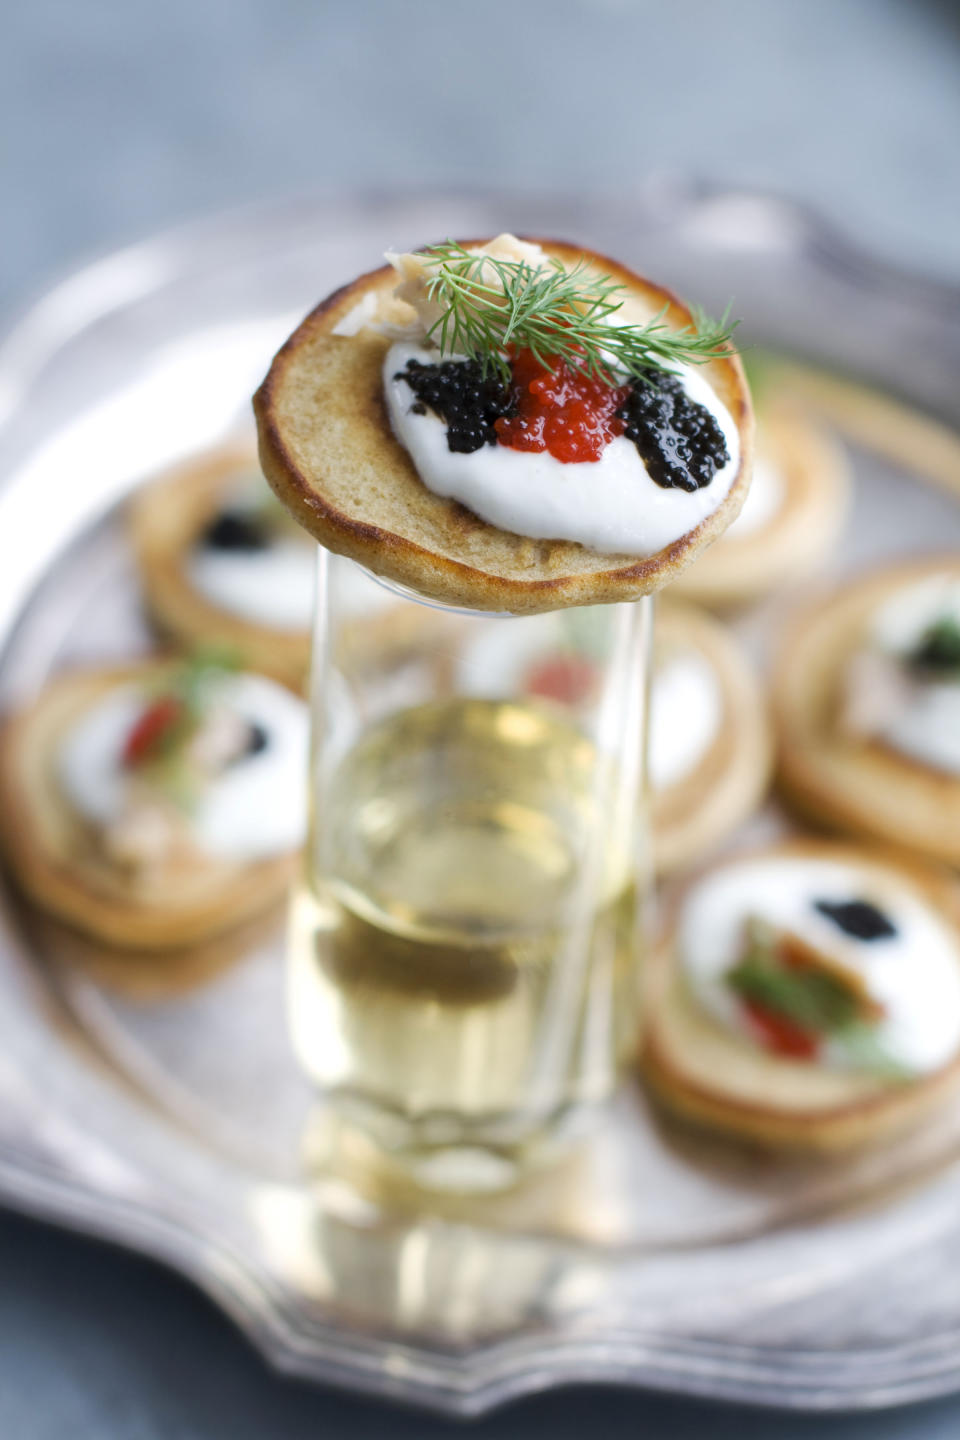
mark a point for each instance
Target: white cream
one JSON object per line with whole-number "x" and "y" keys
{"x": 610, "y": 505}
{"x": 925, "y": 723}
{"x": 914, "y": 975}
{"x": 764, "y": 500}
{"x": 686, "y": 702}
{"x": 272, "y": 587}
{"x": 275, "y": 586}
{"x": 254, "y": 809}
{"x": 928, "y": 728}
{"x": 686, "y": 711}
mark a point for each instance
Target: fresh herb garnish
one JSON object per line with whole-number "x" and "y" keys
{"x": 559, "y": 314}
{"x": 202, "y": 669}
{"x": 813, "y": 1000}
{"x": 158, "y": 744}
{"x": 939, "y": 648}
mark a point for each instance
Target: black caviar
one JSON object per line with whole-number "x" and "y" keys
{"x": 679, "y": 440}
{"x": 857, "y": 918}
{"x": 236, "y": 530}
{"x": 467, "y": 402}
{"x": 257, "y": 739}
{"x": 939, "y": 649}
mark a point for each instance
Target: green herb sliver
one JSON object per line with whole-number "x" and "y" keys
{"x": 939, "y": 649}
{"x": 814, "y": 1000}
{"x": 561, "y": 315}
{"x": 192, "y": 683}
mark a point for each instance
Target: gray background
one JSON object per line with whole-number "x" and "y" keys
{"x": 117, "y": 117}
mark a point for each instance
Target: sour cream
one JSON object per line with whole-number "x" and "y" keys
{"x": 686, "y": 711}
{"x": 914, "y": 975}
{"x": 611, "y": 505}
{"x": 275, "y": 586}
{"x": 926, "y": 725}
{"x": 272, "y": 587}
{"x": 254, "y": 809}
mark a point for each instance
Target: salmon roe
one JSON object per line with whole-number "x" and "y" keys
{"x": 574, "y": 416}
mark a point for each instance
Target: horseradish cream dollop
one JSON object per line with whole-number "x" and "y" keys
{"x": 912, "y": 705}
{"x": 253, "y": 809}
{"x": 686, "y": 712}
{"x": 264, "y": 574}
{"x": 912, "y": 975}
{"x": 611, "y": 505}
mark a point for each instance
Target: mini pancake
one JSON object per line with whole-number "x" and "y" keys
{"x": 839, "y": 779}
{"x": 704, "y": 1074}
{"x": 167, "y": 519}
{"x": 49, "y": 851}
{"x": 327, "y": 448}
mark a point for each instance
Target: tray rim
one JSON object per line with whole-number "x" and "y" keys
{"x": 475, "y": 1380}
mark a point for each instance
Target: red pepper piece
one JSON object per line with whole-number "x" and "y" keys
{"x": 152, "y": 729}
{"x": 780, "y": 1034}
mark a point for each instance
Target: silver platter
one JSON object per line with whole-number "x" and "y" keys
{"x": 160, "y": 1107}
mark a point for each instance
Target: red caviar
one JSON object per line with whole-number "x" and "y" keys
{"x": 570, "y": 414}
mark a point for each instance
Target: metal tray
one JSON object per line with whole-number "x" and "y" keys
{"x": 159, "y": 1106}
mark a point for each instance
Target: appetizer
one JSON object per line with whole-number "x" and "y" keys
{"x": 867, "y": 707}
{"x": 790, "y": 520}
{"x": 509, "y": 426}
{"x": 808, "y": 997}
{"x": 222, "y": 563}
{"x": 155, "y": 804}
{"x": 710, "y": 750}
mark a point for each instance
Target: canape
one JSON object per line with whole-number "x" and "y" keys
{"x": 808, "y": 997}
{"x": 222, "y": 564}
{"x": 154, "y": 804}
{"x": 509, "y": 426}
{"x": 866, "y": 698}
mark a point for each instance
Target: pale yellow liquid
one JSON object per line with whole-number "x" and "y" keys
{"x": 464, "y": 965}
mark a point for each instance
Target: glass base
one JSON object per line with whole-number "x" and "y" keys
{"x": 436, "y": 1155}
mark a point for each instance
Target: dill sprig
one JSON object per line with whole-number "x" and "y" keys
{"x": 561, "y": 315}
